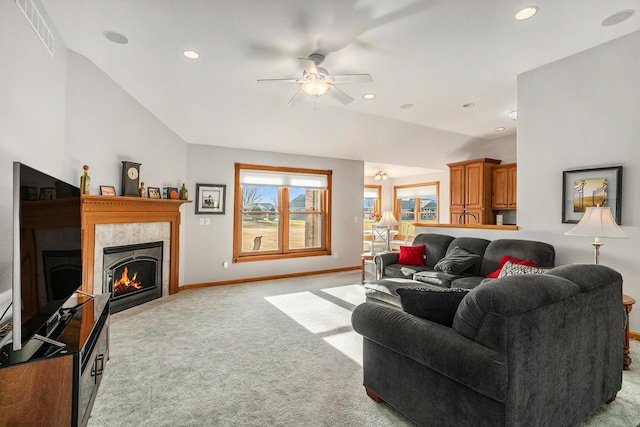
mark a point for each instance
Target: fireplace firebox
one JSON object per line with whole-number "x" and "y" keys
{"x": 133, "y": 274}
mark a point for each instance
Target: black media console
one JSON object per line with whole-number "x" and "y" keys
{"x": 46, "y": 383}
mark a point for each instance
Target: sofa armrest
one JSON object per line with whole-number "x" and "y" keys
{"x": 435, "y": 346}
{"x": 384, "y": 259}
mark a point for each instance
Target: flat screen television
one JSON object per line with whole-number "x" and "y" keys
{"x": 47, "y": 256}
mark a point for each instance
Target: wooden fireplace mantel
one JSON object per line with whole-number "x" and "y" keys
{"x": 122, "y": 210}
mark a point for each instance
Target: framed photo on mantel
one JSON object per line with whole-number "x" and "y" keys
{"x": 583, "y": 188}
{"x": 210, "y": 198}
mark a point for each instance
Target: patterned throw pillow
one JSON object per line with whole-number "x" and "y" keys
{"x": 511, "y": 269}
{"x": 436, "y": 305}
{"x": 503, "y": 261}
{"x": 412, "y": 255}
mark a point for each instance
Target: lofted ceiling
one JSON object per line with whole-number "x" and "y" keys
{"x": 436, "y": 55}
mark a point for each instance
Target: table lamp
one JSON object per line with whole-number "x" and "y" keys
{"x": 597, "y": 222}
{"x": 388, "y": 221}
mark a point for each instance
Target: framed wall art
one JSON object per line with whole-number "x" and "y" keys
{"x": 583, "y": 188}
{"x": 210, "y": 198}
{"x": 107, "y": 190}
{"x": 153, "y": 192}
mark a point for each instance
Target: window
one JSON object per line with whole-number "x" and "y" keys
{"x": 281, "y": 212}
{"x": 416, "y": 203}
{"x": 372, "y": 204}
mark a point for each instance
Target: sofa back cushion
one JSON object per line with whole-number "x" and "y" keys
{"x": 484, "y": 313}
{"x": 473, "y": 245}
{"x": 542, "y": 253}
{"x": 435, "y": 246}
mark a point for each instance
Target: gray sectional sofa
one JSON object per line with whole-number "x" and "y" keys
{"x": 525, "y": 350}
{"x": 391, "y": 275}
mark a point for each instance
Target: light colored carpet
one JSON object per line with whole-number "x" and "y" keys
{"x": 273, "y": 353}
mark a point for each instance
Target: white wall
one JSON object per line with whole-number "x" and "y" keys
{"x": 579, "y": 112}
{"x": 208, "y": 247}
{"x": 32, "y": 116}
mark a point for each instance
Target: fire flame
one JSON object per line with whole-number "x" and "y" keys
{"x": 124, "y": 284}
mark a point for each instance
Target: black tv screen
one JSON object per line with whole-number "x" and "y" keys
{"x": 47, "y": 250}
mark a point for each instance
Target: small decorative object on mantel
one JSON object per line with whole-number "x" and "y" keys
{"x": 170, "y": 193}
{"x": 210, "y": 198}
{"x": 154, "y": 192}
{"x": 142, "y": 192}
{"x": 130, "y": 178}
{"x": 85, "y": 181}
{"x": 107, "y": 190}
{"x": 184, "y": 193}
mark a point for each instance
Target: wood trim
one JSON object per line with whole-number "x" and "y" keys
{"x": 123, "y": 210}
{"x": 480, "y": 226}
{"x": 634, "y": 335}
{"x": 262, "y": 278}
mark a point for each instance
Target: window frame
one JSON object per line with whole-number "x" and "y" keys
{"x": 377, "y": 205}
{"x": 284, "y": 214}
{"x": 416, "y": 211}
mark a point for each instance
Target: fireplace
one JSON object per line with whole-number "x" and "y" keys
{"x": 133, "y": 274}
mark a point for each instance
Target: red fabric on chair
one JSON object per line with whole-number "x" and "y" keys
{"x": 412, "y": 255}
{"x": 503, "y": 261}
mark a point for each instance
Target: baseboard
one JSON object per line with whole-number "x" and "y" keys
{"x": 634, "y": 335}
{"x": 261, "y": 278}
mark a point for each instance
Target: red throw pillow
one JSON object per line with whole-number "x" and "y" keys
{"x": 503, "y": 261}
{"x": 412, "y": 255}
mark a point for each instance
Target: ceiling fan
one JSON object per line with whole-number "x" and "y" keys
{"x": 316, "y": 81}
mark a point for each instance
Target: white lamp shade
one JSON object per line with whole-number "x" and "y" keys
{"x": 597, "y": 222}
{"x": 387, "y": 220}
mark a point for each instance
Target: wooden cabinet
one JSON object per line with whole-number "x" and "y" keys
{"x": 504, "y": 187}
{"x": 45, "y": 386}
{"x": 470, "y": 191}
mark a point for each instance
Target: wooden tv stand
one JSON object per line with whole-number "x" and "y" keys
{"x": 41, "y": 388}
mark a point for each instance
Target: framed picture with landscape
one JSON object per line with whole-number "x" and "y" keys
{"x": 210, "y": 198}
{"x": 583, "y": 188}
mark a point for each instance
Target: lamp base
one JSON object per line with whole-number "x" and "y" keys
{"x": 596, "y": 244}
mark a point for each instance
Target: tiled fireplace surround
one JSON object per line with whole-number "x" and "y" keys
{"x": 116, "y": 221}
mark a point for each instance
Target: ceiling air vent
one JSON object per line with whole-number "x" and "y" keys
{"x": 34, "y": 17}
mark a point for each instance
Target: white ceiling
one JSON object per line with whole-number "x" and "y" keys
{"x": 434, "y": 54}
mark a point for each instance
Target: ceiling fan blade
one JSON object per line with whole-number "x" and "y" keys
{"x": 292, "y": 80}
{"x": 296, "y": 98}
{"x": 349, "y": 78}
{"x": 339, "y": 95}
{"x": 309, "y": 66}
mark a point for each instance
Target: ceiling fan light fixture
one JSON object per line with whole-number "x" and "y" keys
{"x": 315, "y": 87}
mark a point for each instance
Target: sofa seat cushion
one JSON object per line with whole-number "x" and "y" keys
{"x": 468, "y": 282}
{"x": 436, "y": 278}
{"x": 437, "y": 305}
{"x": 404, "y": 271}
{"x": 386, "y": 290}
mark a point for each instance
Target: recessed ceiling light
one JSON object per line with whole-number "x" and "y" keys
{"x": 369, "y": 96}
{"x": 406, "y": 106}
{"x": 617, "y": 18}
{"x": 526, "y": 13}
{"x": 499, "y": 129}
{"x": 115, "y": 37}
{"x": 469, "y": 105}
{"x": 191, "y": 54}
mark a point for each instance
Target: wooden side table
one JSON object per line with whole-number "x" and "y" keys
{"x": 366, "y": 257}
{"x": 627, "y": 302}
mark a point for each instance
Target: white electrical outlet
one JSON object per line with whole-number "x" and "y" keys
{"x": 355, "y": 219}
{"x": 201, "y": 221}
{"x": 207, "y": 221}
{"x": 335, "y": 254}
{"x": 225, "y": 264}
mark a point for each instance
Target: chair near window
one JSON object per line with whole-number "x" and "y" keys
{"x": 256, "y": 243}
